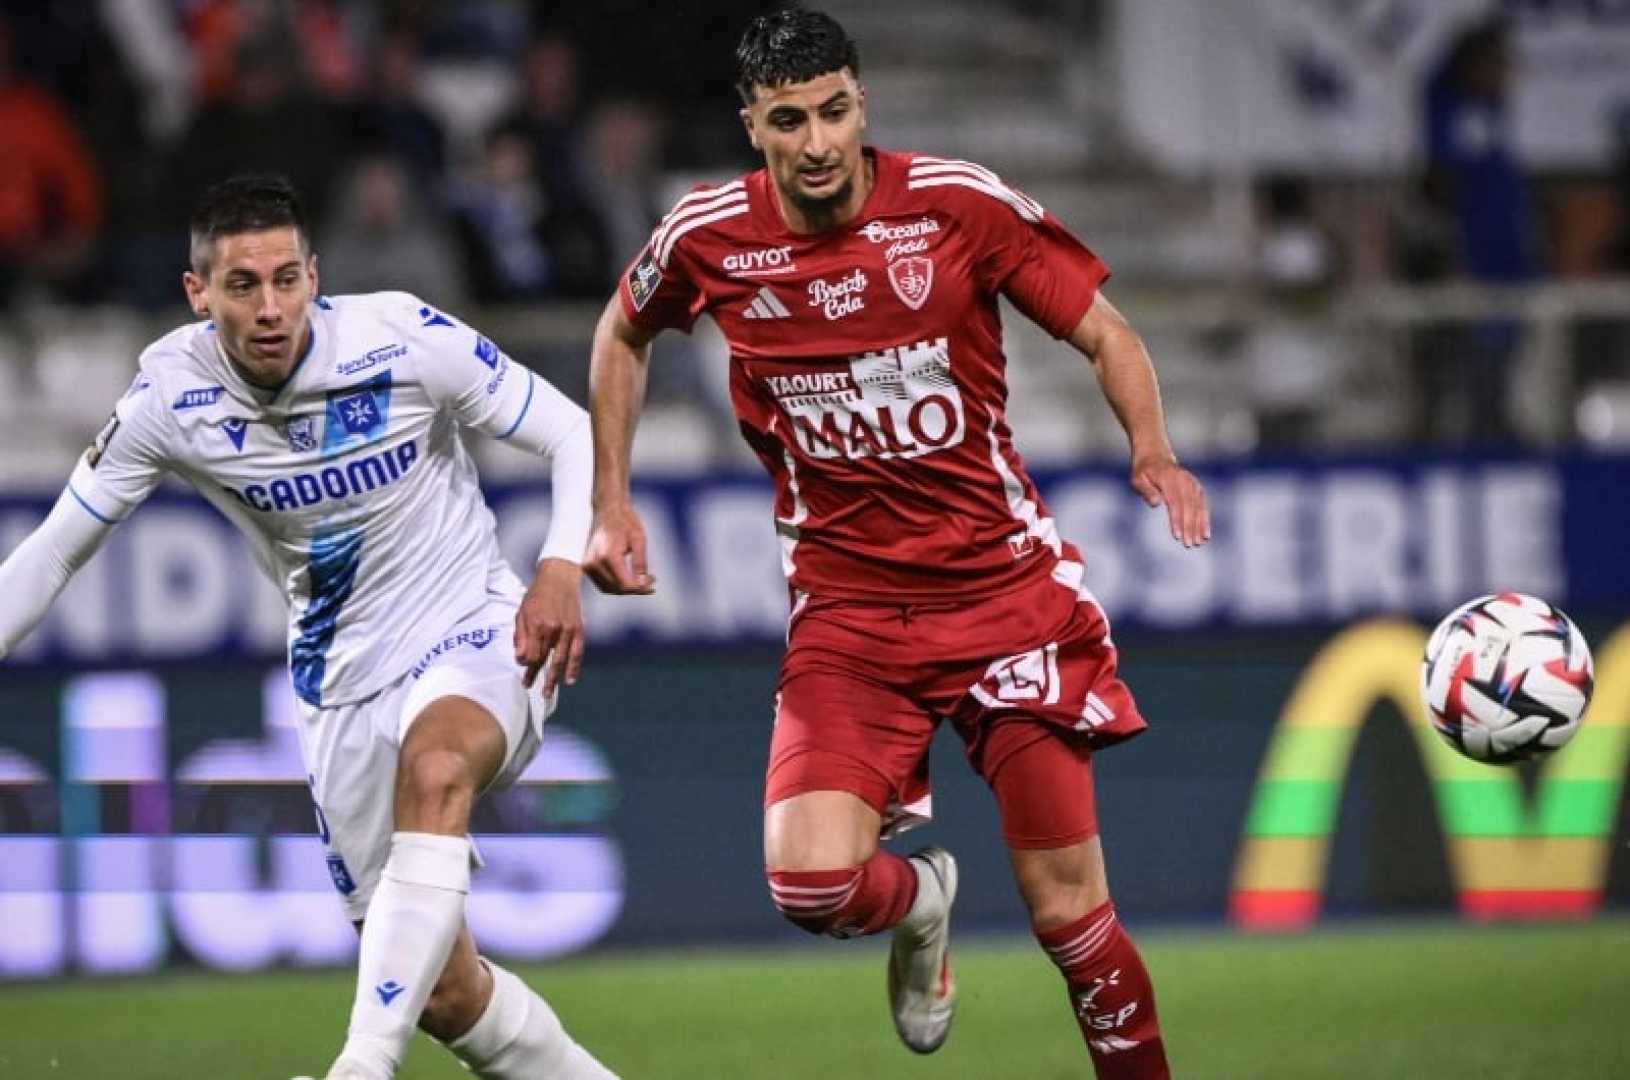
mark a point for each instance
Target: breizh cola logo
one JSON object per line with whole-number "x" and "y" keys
{"x": 896, "y": 402}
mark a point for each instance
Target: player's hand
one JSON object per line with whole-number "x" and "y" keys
{"x": 1162, "y": 481}
{"x": 616, "y": 557}
{"x": 549, "y": 625}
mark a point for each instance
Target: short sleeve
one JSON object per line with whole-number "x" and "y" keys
{"x": 129, "y": 456}
{"x": 464, "y": 371}
{"x": 467, "y": 374}
{"x": 1028, "y": 256}
{"x": 656, "y": 296}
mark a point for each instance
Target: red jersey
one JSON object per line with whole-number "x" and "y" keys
{"x": 866, "y": 368}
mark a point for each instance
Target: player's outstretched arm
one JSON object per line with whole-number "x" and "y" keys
{"x": 1127, "y": 376}
{"x": 549, "y": 632}
{"x": 33, "y": 575}
{"x": 617, "y": 371}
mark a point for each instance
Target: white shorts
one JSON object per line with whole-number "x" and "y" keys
{"x": 351, "y": 750}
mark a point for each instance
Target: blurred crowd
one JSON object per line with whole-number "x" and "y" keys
{"x": 455, "y": 149}
{"x": 490, "y": 153}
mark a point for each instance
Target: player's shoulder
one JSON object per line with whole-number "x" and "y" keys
{"x": 370, "y": 328}
{"x": 964, "y": 188}
{"x": 708, "y": 212}
{"x": 392, "y": 307}
{"x": 180, "y": 360}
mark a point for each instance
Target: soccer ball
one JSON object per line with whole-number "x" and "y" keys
{"x": 1506, "y": 677}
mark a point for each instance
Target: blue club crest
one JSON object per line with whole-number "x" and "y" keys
{"x": 357, "y": 413}
{"x": 302, "y": 433}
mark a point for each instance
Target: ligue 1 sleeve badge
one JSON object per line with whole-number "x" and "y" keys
{"x": 912, "y": 278}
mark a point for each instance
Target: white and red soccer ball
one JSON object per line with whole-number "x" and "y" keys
{"x": 1506, "y": 677}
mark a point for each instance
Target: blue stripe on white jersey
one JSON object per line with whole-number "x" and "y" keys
{"x": 333, "y": 573}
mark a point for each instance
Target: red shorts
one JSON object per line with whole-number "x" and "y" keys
{"x": 1026, "y": 678}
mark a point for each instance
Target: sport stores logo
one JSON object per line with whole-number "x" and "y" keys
{"x": 900, "y": 402}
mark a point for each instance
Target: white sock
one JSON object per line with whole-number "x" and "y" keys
{"x": 519, "y": 1037}
{"x": 412, "y": 921}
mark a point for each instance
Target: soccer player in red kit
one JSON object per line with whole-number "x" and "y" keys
{"x": 858, "y": 291}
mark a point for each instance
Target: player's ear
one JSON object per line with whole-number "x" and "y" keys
{"x": 746, "y": 115}
{"x": 194, "y": 286}
{"x": 311, "y": 268}
{"x": 860, "y": 103}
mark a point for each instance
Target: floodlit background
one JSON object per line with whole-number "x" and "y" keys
{"x": 1380, "y": 250}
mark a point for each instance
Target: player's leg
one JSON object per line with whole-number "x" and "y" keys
{"x": 452, "y": 749}
{"x": 826, "y": 873}
{"x": 498, "y": 1027}
{"x": 1045, "y": 794}
{"x": 846, "y": 755}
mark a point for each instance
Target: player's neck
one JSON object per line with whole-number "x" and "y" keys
{"x": 809, "y": 220}
{"x": 263, "y": 378}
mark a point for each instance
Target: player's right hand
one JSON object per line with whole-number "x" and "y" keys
{"x": 615, "y": 560}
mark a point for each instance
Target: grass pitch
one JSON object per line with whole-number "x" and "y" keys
{"x": 1430, "y": 1001}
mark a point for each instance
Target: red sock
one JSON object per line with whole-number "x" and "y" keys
{"x": 1111, "y": 994}
{"x": 849, "y": 902}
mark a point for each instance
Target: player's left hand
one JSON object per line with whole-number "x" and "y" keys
{"x": 1161, "y": 480}
{"x": 549, "y": 625}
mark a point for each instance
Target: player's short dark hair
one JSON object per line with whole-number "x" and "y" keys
{"x": 794, "y": 45}
{"x": 243, "y": 204}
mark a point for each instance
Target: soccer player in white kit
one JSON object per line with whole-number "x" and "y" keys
{"x": 327, "y": 430}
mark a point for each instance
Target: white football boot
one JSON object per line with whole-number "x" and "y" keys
{"x": 922, "y": 989}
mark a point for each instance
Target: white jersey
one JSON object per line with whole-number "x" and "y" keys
{"x": 350, "y": 480}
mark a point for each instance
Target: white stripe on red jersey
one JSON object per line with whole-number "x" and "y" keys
{"x": 727, "y": 202}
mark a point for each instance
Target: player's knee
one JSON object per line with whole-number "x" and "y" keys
{"x": 454, "y": 1007}
{"x": 815, "y": 900}
{"x": 1061, "y": 905}
{"x": 435, "y": 779}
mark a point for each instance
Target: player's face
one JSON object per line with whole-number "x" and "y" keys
{"x": 809, "y": 133}
{"x": 258, "y": 287}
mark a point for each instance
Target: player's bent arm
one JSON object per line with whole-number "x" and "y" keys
{"x": 37, "y": 571}
{"x": 618, "y": 366}
{"x": 1127, "y": 376}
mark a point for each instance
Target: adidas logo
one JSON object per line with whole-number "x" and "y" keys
{"x": 766, "y": 306}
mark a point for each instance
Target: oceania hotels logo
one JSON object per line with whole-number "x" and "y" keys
{"x": 906, "y": 238}
{"x": 879, "y": 232}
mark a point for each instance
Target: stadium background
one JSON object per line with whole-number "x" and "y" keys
{"x": 1400, "y": 360}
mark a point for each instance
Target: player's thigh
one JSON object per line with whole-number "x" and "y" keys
{"x": 350, "y": 754}
{"x": 1046, "y": 800}
{"x": 453, "y": 748}
{"x": 848, "y": 757}
{"x": 470, "y": 693}
{"x": 1041, "y": 777}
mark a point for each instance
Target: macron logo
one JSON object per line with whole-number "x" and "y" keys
{"x": 766, "y": 305}
{"x": 388, "y": 990}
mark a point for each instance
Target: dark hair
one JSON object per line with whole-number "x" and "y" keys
{"x": 790, "y": 46}
{"x": 239, "y": 205}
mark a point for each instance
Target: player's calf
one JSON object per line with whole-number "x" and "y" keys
{"x": 1111, "y": 995}
{"x": 518, "y": 1037}
{"x": 849, "y": 902}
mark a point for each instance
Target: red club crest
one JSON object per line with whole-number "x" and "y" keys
{"x": 912, "y": 278}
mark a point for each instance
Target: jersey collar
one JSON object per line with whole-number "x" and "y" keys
{"x": 767, "y": 215}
